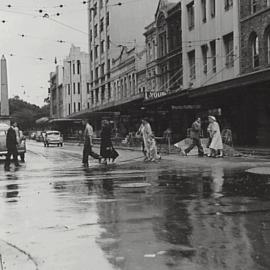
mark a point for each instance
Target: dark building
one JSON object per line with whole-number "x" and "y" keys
{"x": 255, "y": 63}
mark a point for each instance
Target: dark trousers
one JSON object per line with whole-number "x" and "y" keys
{"x": 87, "y": 151}
{"x": 14, "y": 153}
{"x": 195, "y": 142}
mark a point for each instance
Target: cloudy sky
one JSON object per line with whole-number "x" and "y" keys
{"x": 30, "y": 42}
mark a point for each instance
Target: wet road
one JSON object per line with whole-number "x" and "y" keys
{"x": 132, "y": 215}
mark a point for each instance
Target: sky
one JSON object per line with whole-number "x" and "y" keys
{"x": 30, "y": 42}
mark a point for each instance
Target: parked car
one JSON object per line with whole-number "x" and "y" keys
{"x": 3, "y": 149}
{"x": 53, "y": 137}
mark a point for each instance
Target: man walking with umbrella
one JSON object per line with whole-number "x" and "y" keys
{"x": 195, "y": 136}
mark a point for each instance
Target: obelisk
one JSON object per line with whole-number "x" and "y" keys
{"x": 4, "y": 113}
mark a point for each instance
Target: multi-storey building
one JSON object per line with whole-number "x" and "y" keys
{"x": 112, "y": 24}
{"x": 254, "y": 119}
{"x": 76, "y": 81}
{"x": 164, "y": 52}
{"x": 210, "y": 33}
{"x": 164, "y": 73}
{"x": 57, "y": 102}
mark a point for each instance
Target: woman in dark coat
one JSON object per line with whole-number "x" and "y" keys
{"x": 106, "y": 148}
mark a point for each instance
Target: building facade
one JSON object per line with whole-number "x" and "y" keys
{"x": 57, "y": 97}
{"x": 210, "y": 33}
{"x": 254, "y": 67}
{"x": 164, "y": 50}
{"x": 112, "y": 25}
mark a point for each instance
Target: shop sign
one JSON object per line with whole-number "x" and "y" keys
{"x": 186, "y": 107}
{"x": 154, "y": 95}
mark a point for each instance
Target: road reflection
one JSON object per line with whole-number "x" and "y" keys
{"x": 188, "y": 219}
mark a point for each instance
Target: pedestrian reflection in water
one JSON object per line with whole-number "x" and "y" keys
{"x": 218, "y": 180}
{"x": 12, "y": 189}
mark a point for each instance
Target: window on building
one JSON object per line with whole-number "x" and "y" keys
{"x": 109, "y": 91}
{"x": 73, "y": 69}
{"x": 228, "y": 4}
{"x": 91, "y": 35}
{"x": 228, "y": 45}
{"x": 92, "y": 75}
{"x": 100, "y": 4}
{"x": 102, "y": 69}
{"x": 97, "y": 95}
{"x": 204, "y": 49}
{"x": 95, "y": 30}
{"x": 78, "y": 67}
{"x": 103, "y": 93}
{"x": 108, "y": 42}
{"x": 95, "y": 9}
{"x": 192, "y": 68}
{"x": 102, "y": 44}
{"x": 88, "y": 88}
{"x": 213, "y": 55}
{"x": 213, "y": 8}
{"x": 255, "y": 51}
{"x": 69, "y": 108}
{"x": 74, "y": 88}
{"x": 91, "y": 55}
{"x": 88, "y": 105}
{"x": 101, "y": 27}
{"x": 203, "y": 6}
{"x": 253, "y": 5}
{"x": 74, "y": 107}
{"x": 96, "y": 51}
{"x": 96, "y": 73}
{"x": 92, "y": 97}
{"x": 79, "y": 106}
{"x": 68, "y": 87}
{"x": 108, "y": 65}
{"x": 190, "y": 13}
{"x": 107, "y": 18}
{"x": 79, "y": 88}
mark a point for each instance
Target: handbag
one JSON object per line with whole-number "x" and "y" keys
{"x": 114, "y": 153}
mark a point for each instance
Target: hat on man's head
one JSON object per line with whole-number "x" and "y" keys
{"x": 212, "y": 117}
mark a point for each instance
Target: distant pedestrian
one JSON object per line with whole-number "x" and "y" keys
{"x": 11, "y": 144}
{"x": 153, "y": 153}
{"x": 195, "y": 136}
{"x": 216, "y": 145}
{"x": 88, "y": 144}
{"x": 145, "y": 131}
{"x": 107, "y": 151}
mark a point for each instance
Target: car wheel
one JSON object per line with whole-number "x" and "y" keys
{"x": 22, "y": 156}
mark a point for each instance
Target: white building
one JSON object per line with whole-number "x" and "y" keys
{"x": 210, "y": 36}
{"x": 76, "y": 81}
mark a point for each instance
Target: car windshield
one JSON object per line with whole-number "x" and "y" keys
{"x": 53, "y": 133}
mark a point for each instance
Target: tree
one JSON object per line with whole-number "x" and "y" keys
{"x": 26, "y": 113}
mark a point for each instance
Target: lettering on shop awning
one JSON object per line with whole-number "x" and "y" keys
{"x": 154, "y": 95}
{"x": 186, "y": 107}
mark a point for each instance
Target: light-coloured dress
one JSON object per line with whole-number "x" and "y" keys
{"x": 146, "y": 132}
{"x": 216, "y": 140}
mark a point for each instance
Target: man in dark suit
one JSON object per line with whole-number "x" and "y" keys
{"x": 195, "y": 136}
{"x": 11, "y": 143}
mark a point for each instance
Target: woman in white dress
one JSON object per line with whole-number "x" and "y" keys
{"x": 146, "y": 132}
{"x": 216, "y": 145}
